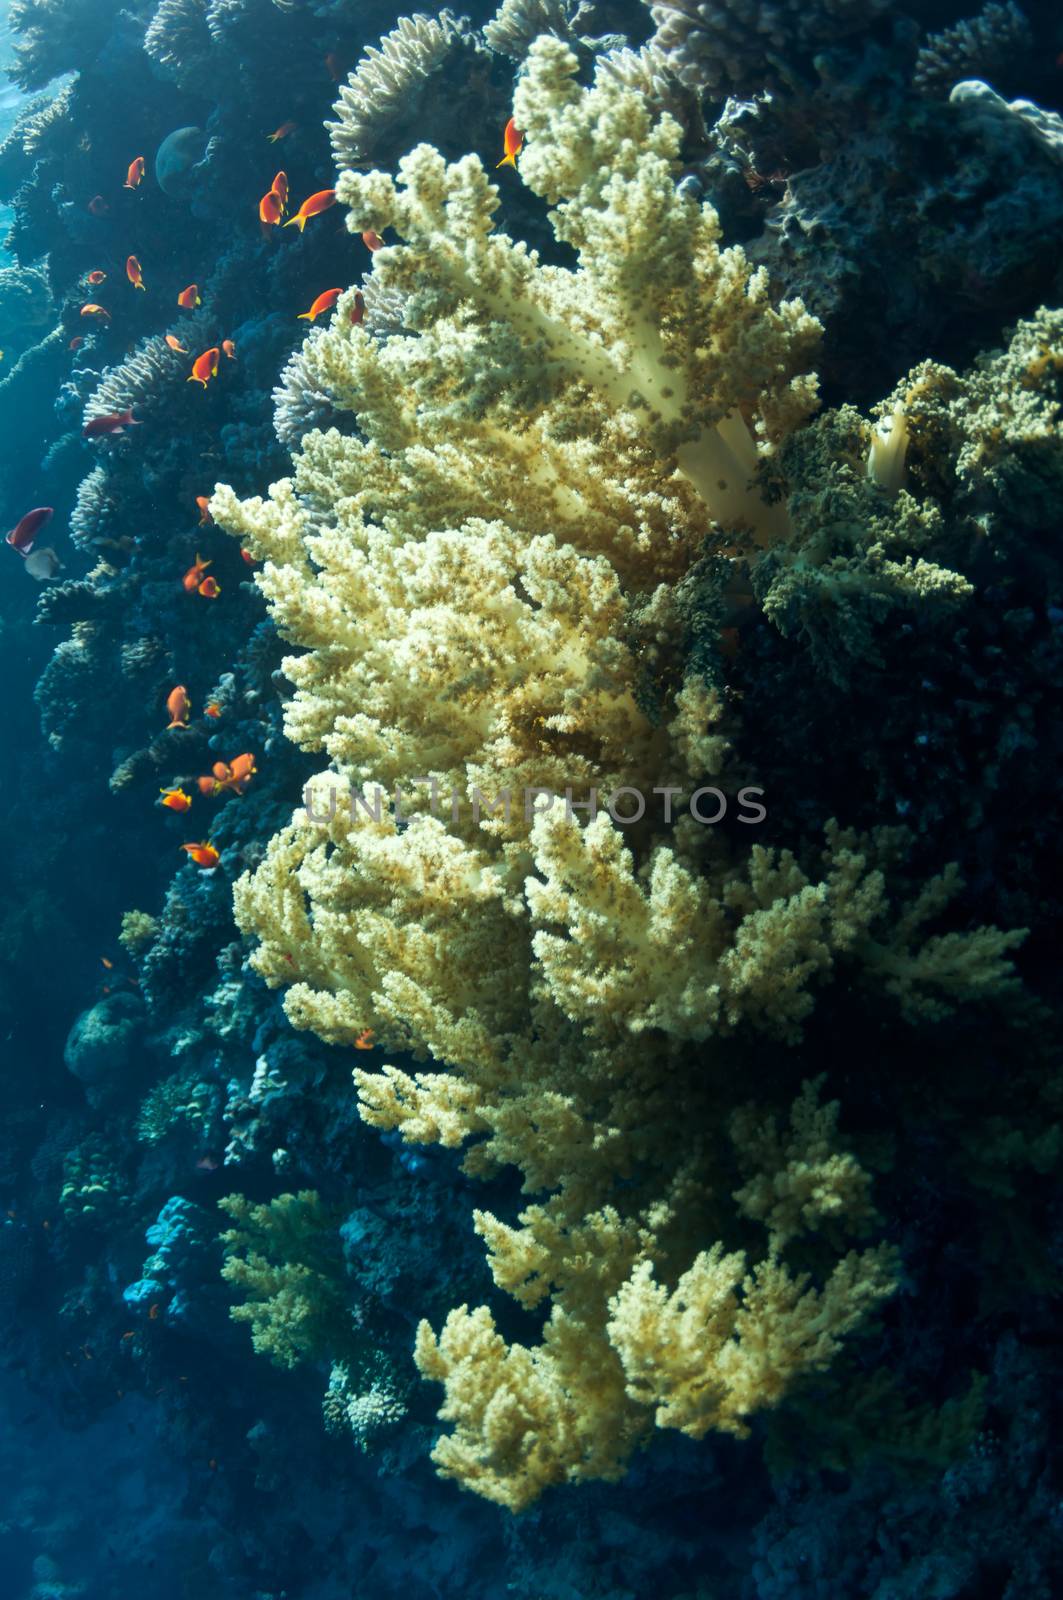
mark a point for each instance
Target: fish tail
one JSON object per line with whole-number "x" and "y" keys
{"x": 507, "y": 161}
{"x": 306, "y": 316}
{"x": 298, "y": 220}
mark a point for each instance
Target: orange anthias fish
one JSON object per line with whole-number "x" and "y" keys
{"x": 76, "y": 342}
{"x": 270, "y": 209}
{"x": 175, "y": 800}
{"x": 248, "y": 557}
{"x": 280, "y": 188}
{"x": 205, "y": 367}
{"x": 207, "y": 785}
{"x": 358, "y": 309}
{"x": 113, "y": 422}
{"x": 194, "y": 576}
{"x": 282, "y": 132}
{"x": 324, "y": 302}
{"x": 364, "y": 1040}
{"x": 175, "y": 344}
{"x": 135, "y": 173}
{"x": 203, "y": 854}
{"x": 189, "y": 298}
{"x": 98, "y": 206}
{"x": 312, "y": 207}
{"x": 372, "y": 241}
{"x": 203, "y": 502}
{"x": 133, "y": 272}
{"x": 96, "y": 278}
{"x": 229, "y": 348}
{"x": 178, "y": 705}
{"x": 93, "y": 310}
{"x": 210, "y": 589}
{"x": 512, "y": 144}
{"x": 212, "y": 710}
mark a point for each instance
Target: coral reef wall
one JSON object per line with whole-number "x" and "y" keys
{"x": 530, "y": 919}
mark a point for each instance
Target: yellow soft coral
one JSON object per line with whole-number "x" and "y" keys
{"x": 484, "y": 584}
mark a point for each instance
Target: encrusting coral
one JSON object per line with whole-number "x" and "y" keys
{"x": 488, "y": 587}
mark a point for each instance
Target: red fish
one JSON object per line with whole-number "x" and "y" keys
{"x": 114, "y": 422}
{"x": 270, "y": 209}
{"x": 312, "y": 207}
{"x": 512, "y": 144}
{"x": 203, "y": 502}
{"x": 282, "y": 132}
{"x": 334, "y": 66}
{"x": 175, "y": 344}
{"x": 212, "y": 710}
{"x": 248, "y": 557}
{"x": 205, "y": 367}
{"x": 372, "y": 241}
{"x": 133, "y": 272}
{"x": 189, "y": 298}
{"x": 194, "y": 576}
{"x": 93, "y": 310}
{"x": 135, "y": 173}
{"x": 210, "y": 588}
{"x": 324, "y": 302}
{"x": 358, "y": 309}
{"x": 98, "y": 206}
{"x": 229, "y": 348}
{"x": 175, "y": 800}
{"x": 364, "y": 1040}
{"x": 76, "y": 342}
{"x": 203, "y": 854}
{"x": 178, "y": 705}
{"x": 280, "y": 188}
{"x": 27, "y": 528}
{"x": 96, "y": 277}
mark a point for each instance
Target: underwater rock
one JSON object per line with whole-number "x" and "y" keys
{"x": 104, "y": 1045}
{"x": 176, "y": 160}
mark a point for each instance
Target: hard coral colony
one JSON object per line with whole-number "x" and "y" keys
{"x": 606, "y": 979}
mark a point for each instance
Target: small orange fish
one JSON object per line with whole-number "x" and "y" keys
{"x": 93, "y": 310}
{"x": 189, "y": 298}
{"x": 175, "y": 344}
{"x": 203, "y": 502}
{"x": 229, "y": 348}
{"x": 282, "y": 132}
{"x": 178, "y": 705}
{"x": 358, "y": 309}
{"x": 207, "y": 785}
{"x": 248, "y": 557}
{"x": 153, "y": 1311}
{"x": 108, "y": 964}
{"x": 243, "y": 767}
{"x": 98, "y": 206}
{"x": 135, "y": 173}
{"x": 210, "y": 589}
{"x": 270, "y": 209}
{"x": 133, "y": 273}
{"x": 176, "y": 800}
{"x": 204, "y": 855}
{"x": 194, "y": 576}
{"x": 324, "y": 302}
{"x": 372, "y": 241}
{"x": 96, "y": 277}
{"x": 212, "y": 710}
{"x": 280, "y": 188}
{"x": 364, "y": 1040}
{"x": 312, "y": 207}
{"x": 205, "y": 367}
{"x": 76, "y": 342}
{"x": 512, "y": 144}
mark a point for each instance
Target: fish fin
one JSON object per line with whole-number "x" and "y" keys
{"x": 507, "y": 161}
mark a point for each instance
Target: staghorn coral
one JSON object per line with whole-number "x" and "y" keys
{"x": 736, "y": 46}
{"x": 179, "y": 41}
{"x": 648, "y": 72}
{"x": 380, "y": 100}
{"x": 984, "y": 43}
{"x": 488, "y": 586}
{"x": 517, "y": 23}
